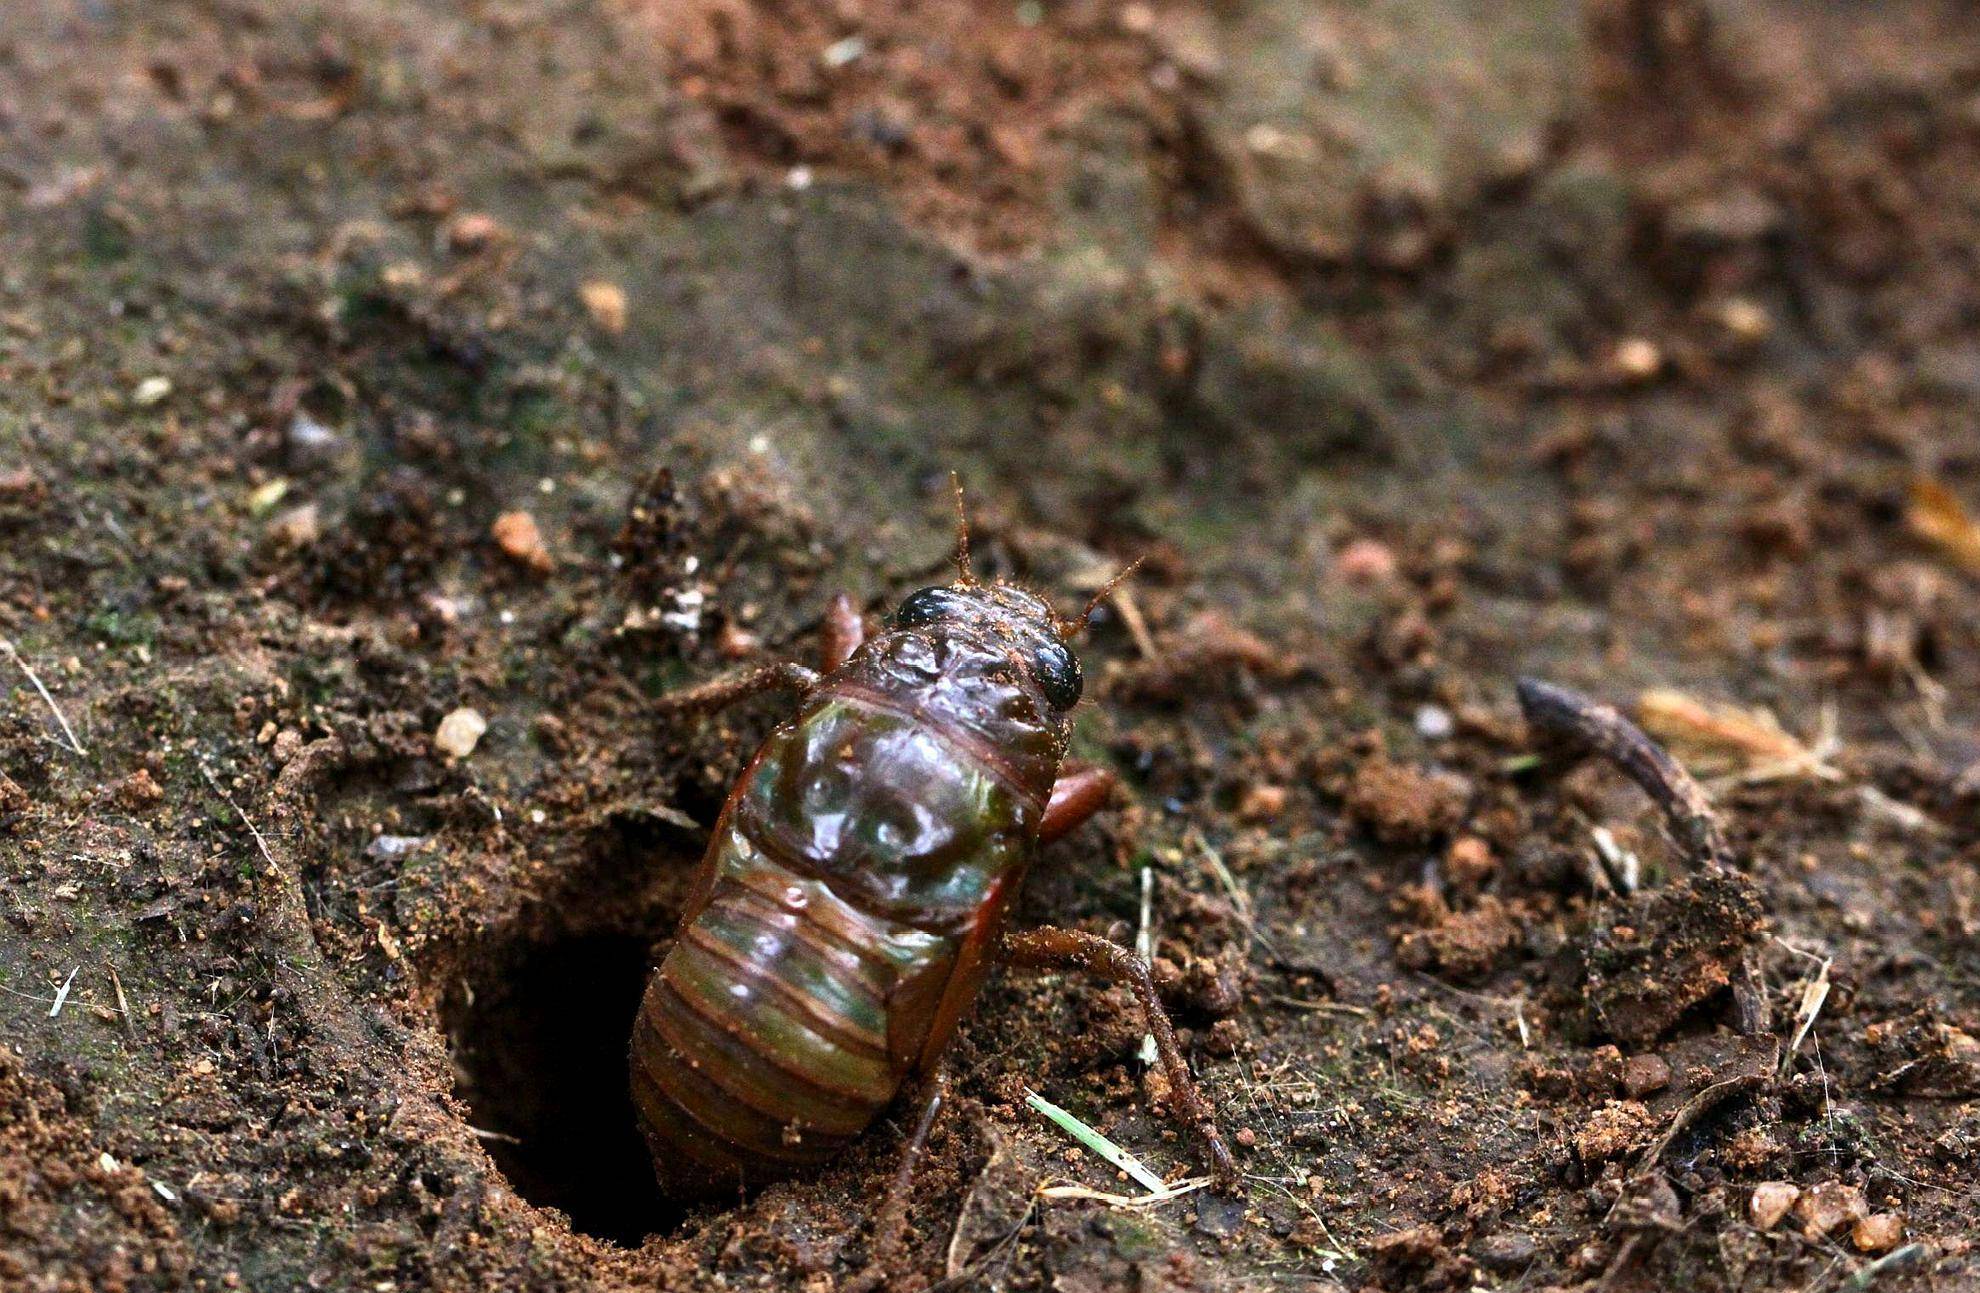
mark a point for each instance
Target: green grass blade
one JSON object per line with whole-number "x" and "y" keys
{"x": 1094, "y": 1141}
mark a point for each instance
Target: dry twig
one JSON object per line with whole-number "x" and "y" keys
{"x": 1590, "y": 727}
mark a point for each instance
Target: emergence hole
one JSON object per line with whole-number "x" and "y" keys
{"x": 540, "y": 1051}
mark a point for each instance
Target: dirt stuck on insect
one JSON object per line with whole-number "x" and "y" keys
{"x": 395, "y": 400}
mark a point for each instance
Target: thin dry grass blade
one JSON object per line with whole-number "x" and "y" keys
{"x": 1724, "y": 738}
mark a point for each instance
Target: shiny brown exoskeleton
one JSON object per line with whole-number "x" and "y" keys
{"x": 853, "y": 896}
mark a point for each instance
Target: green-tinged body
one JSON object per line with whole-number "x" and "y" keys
{"x": 841, "y": 920}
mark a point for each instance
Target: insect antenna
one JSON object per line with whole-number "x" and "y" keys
{"x": 1072, "y": 628}
{"x": 961, "y": 558}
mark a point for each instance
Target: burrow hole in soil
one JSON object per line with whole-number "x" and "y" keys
{"x": 538, "y": 1024}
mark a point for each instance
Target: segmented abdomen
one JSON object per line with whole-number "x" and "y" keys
{"x": 761, "y": 1044}
{"x": 862, "y": 851}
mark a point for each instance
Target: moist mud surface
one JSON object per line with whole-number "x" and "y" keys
{"x": 396, "y": 398}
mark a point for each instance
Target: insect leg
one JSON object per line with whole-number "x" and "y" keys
{"x": 1078, "y": 793}
{"x": 890, "y": 1219}
{"x": 723, "y": 692}
{"x": 1072, "y": 949}
{"x": 844, "y": 631}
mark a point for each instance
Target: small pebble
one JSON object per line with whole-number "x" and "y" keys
{"x": 299, "y": 527}
{"x": 1469, "y": 862}
{"x": 1828, "y": 1207}
{"x": 150, "y": 391}
{"x": 1503, "y": 1254}
{"x": 1434, "y": 722}
{"x": 841, "y": 52}
{"x": 607, "y": 304}
{"x": 1262, "y": 802}
{"x": 1878, "y": 1233}
{"x": 1770, "y": 1202}
{"x": 266, "y": 495}
{"x": 1366, "y": 561}
{"x": 1637, "y": 358}
{"x": 310, "y": 443}
{"x": 1642, "y": 1074}
{"x": 521, "y": 541}
{"x": 473, "y": 231}
{"x": 459, "y": 733}
{"x": 1217, "y": 1215}
{"x": 1745, "y": 320}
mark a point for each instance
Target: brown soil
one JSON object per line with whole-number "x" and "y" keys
{"x": 362, "y": 363}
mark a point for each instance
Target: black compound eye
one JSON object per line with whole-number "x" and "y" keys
{"x": 925, "y": 607}
{"x": 1057, "y": 671}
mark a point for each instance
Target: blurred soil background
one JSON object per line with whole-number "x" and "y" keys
{"x": 395, "y": 397}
